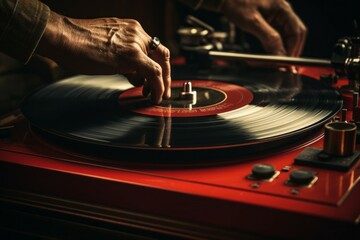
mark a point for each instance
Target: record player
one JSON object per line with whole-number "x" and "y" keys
{"x": 237, "y": 152}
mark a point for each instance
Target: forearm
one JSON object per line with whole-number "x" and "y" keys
{"x": 22, "y": 24}
{"x": 52, "y": 41}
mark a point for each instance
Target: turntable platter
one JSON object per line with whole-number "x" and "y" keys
{"x": 238, "y": 111}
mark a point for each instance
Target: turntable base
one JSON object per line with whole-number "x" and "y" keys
{"x": 125, "y": 197}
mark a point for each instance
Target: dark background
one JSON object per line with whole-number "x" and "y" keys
{"x": 326, "y": 21}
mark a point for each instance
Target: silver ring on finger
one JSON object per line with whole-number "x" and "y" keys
{"x": 154, "y": 44}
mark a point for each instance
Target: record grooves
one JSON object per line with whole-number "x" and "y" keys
{"x": 266, "y": 110}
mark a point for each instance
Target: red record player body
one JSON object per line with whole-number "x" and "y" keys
{"x": 201, "y": 201}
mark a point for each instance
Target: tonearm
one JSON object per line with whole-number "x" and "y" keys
{"x": 202, "y": 39}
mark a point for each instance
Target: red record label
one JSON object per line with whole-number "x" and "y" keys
{"x": 212, "y": 98}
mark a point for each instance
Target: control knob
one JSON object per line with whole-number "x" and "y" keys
{"x": 302, "y": 177}
{"x": 263, "y": 171}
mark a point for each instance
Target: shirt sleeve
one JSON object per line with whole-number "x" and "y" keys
{"x": 22, "y": 23}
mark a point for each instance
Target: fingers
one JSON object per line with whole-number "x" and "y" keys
{"x": 294, "y": 32}
{"x": 270, "y": 38}
{"x": 162, "y": 56}
{"x": 142, "y": 60}
{"x": 154, "y": 67}
{"x": 152, "y": 72}
{"x": 273, "y": 22}
{"x": 285, "y": 34}
{"x": 158, "y": 74}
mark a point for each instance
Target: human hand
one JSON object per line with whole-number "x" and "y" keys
{"x": 273, "y": 22}
{"x": 108, "y": 46}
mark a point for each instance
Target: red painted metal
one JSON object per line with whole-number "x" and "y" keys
{"x": 218, "y": 195}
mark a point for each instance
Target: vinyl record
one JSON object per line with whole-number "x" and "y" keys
{"x": 229, "y": 112}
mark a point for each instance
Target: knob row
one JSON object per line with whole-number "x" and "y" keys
{"x": 267, "y": 171}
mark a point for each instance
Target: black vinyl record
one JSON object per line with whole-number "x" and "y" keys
{"x": 275, "y": 107}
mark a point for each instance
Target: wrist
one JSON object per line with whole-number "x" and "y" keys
{"x": 52, "y": 37}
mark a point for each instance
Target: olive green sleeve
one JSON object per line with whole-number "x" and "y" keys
{"x": 22, "y": 23}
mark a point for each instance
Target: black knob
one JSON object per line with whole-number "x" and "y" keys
{"x": 302, "y": 176}
{"x": 263, "y": 171}
{"x": 340, "y": 48}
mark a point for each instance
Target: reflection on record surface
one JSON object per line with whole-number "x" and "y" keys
{"x": 240, "y": 111}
